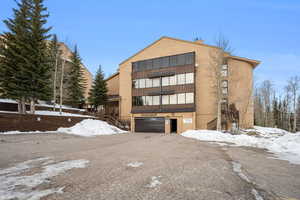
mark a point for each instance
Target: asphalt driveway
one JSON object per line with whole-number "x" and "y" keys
{"x": 155, "y": 166}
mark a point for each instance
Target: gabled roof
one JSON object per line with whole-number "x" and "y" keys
{"x": 112, "y": 76}
{"x": 170, "y": 38}
{"x": 254, "y": 63}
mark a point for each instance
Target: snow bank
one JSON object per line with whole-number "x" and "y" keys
{"x": 16, "y": 185}
{"x": 91, "y": 127}
{"x": 268, "y": 132}
{"x": 284, "y": 144}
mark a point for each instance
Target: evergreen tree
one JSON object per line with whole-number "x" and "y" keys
{"x": 15, "y": 61}
{"x": 40, "y": 68}
{"x": 76, "y": 82}
{"x": 98, "y": 92}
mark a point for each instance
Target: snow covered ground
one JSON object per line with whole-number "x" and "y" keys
{"x": 91, "y": 127}
{"x": 43, "y": 104}
{"x": 53, "y": 113}
{"x": 283, "y": 144}
{"x": 86, "y": 128}
{"x": 22, "y": 181}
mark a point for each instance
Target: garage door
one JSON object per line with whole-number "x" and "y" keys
{"x": 153, "y": 124}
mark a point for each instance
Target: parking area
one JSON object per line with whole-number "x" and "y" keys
{"x": 152, "y": 166}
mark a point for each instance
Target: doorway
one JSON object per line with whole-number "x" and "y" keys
{"x": 173, "y": 125}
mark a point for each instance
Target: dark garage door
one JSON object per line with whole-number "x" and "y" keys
{"x": 150, "y": 124}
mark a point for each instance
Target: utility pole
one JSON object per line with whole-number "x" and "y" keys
{"x": 54, "y": 83}
{"x": 61, "y": 86}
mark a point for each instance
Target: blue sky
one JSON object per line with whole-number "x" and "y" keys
{"x": 107, "y": 32}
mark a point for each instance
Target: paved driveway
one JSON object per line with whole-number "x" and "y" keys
{"x": 160, "y": 167}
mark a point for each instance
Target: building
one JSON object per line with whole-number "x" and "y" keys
{"x": 66, "y": 54}
{"x": 169, "y": 86}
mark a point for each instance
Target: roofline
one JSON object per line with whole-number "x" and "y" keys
{"x": 166, "y": 37}
{"x": 112, "y": 76}
{"x": 254, "y": 63}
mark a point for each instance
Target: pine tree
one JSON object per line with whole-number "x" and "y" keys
{"x": 76, "y": 82}
{"x": 98, "y": 92}
{"x": 14, "y": 60}
{"x": 40, "y": 68}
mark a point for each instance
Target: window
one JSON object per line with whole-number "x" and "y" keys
{"x": 189, "y": 97}
{"x": 180, "y": 79}
{"x": 173, "y": 99}
{"x": 156, "y": 63}
{"x": 149, "y": 64}
{"x": 189, "y": 77}
{"x": 189, "y": 58}
{"x": 224, "y": 67}
{"x": 165, "y": 62}
{"x": 135, "y": 83}
{"x": 181, "y": 98}
{"x": 148, "y": 83}
{"x": 156, "y": 82}
{"x": 181, "y": 59}
{"x": 134, "y": 67}
{"x": 172, "y": 80}
{"x": 144, "y": 100}
{"x": 165, "y": 99}
{"x": 173, "y": 60}
{"x": 224, "y": 70}
{"x": 156, "y": 100}
{"x": 142, "y": 65}
{"x": 138, "y": 101}
{"x": 224, "y": 91}
{"x": 149, "y": 100}
{"x": 142, "y": 83}
{"x": 224, "y": 83}
{"x": 165, "y": 81}
{"x": 224, "y": 73}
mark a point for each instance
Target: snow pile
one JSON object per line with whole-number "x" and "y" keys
{"x": 91, "y": 127}
{"x": 285, "y": 146}
{"x": 154, "y": 182}
{"x": 267, "y": 131}
{"x": 16, "y": 185}
{"x": 135, "y": 164}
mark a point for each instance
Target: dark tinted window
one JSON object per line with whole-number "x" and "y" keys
{"x": 142, "y": 65}
{"x": 134, "y": 67}
{"x": 189, "y": 58}
{"x": 149, "y": 64}
{"x": 156, "y": 63}
{"x": 137, "y": 101}
{"x": 173, "y": 60}
{"x": 181, "y": 59}
{"x": 165, "y": 62}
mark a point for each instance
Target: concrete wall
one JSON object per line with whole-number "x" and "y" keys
{"x": 13, "y": 122}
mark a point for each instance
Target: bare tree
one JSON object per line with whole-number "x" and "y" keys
{"x": 217, "y": 60}
{"x": 293, "y": 88}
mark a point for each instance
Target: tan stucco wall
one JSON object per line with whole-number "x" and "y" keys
{"x": 205, "y": 96}
{"x": 240, "y": 90}
{"x": 113, "y": 85}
